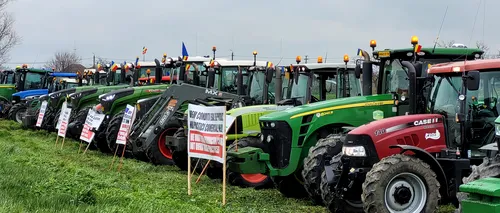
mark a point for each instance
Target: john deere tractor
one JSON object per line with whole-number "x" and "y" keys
{"x": 414, "y": 162}
{"x": 7, "y": 77}
{"x": 297, "y": 139}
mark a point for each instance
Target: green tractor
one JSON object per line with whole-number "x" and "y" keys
{"x": 80, "y": 102}
{"x": 7, "y": 77}
{"x": 295, "y": 138}
{"x": 112, "y": 104}
{"x": 228, "y": 76}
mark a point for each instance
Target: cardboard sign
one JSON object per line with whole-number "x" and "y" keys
{"x": 128, "y": 120}
{"x": 64, "y": 106}
{"x": 64, "y": 122}
{"x": 43, "y": 108}
{"x": 207, "y": 132}
{"x": 92, "y": 121}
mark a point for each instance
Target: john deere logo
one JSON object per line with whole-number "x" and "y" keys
{"x": 378, "y": 114}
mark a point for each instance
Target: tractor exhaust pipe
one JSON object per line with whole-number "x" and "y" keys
{"x": 277, "y": 88}
{"x": 158, "y": 72}
{"x": 367, "y": 73}
{"x": 412, "y": 93}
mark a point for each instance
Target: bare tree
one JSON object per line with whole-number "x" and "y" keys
{"x": 8, "y": 37}
{"x": 64, "y": 60}
{"x": 445, "y": 44}
{"x": 482, "y": 46}
{"x": 101, "y": 61}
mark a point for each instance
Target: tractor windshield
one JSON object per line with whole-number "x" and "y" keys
{"x": 229, "y": 77}
{"x": 143, "y": 73}
{"x": 481, "y": 105}
{"x": 257, "y": 84}
{"x": 33, "y": 80}
{"x": 396, "y": 79}
{"x": 191, "y": 68}
{"x": 352, "y": 85}
{"x": 299, "y": 89}
{"x": 7, "y": 78}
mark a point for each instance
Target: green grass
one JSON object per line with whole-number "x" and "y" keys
{"x": 36, "y": 176}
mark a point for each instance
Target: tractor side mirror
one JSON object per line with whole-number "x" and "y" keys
{"x": 296, "y": 75}
{"x": 211, "y": 77}
{"x": 473, "y": 80}
{"x": 269, "y": 75}
{"x": 357, "y": 71}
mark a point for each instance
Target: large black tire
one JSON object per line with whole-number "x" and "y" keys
{"x": 333, "y": 203}
{"x": 314, "y": 164}
{"x": 112, "y": 134}
{"x": 406, "y": 174}
{"x": 48, "y": 119}
{"x": 258, "y": 181}
{"x": 290, "y": 186}
{"x": 56, "y": 119}
{"x": 489, "y": 168}
{"x": 157, "y": 152}
{"x": 16, "y": 112}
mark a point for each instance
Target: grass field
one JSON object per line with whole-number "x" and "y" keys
{"x": 35, "y": 176}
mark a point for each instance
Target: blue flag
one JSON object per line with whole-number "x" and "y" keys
{"x": 185, "y": 54}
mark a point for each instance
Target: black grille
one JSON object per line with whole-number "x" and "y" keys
{"x": 280, "y": 146}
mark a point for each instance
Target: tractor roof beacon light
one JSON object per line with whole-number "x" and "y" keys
{"x": 320, "y": 59}
{"x": 214, "y": 48}
{"x": 346, "y": 59}
{"x": 254, "y": 58}
{"x": 298, "y": 59}
{"x": 373, "y": 44}
{"x": 414, "y": 40}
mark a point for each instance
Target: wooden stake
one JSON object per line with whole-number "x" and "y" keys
{"x": 224, "y": 180}
{"x": 114, "y": 156}
{"x": 189, "y": 175}
{"x": 86, "y": 148}
{"x": 64, "y": 138}
{"x": 57, "y": 139}
{"x": 195, "y": 166}
{"x": 80, "y": 148}
{"x": 121, "y": 159}
{"x": 203, "y": 171}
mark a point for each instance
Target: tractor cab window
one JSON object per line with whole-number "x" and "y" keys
{"x": 191, "y": 69}
{"x": 144, "y": 74}
{"x": 228, "y": 79}
{"x": 7, "y": 78}
{"x": 257, "y": 83}
{"x": 299, "y": 90}
{"x": 331, "y": 88}
{"x": 117, "y": 77}
{"x": 396, "y": 78}
{"x": 481, "y": 106}
{"x": 352, "y": 85}
{"x": 33, "y": 80}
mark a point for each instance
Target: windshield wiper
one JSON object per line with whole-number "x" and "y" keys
{"x": 453, "y": 86}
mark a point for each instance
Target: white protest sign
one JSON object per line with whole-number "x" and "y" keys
{"x": 229, "y": 121}
{"x": 43, "y": 108}
{"x": 128, "y": 120}
{"x": 64, "y": 122}
{"x": 64, "y": 106}
{"x": 207, "y": 135}
{"x": 93, "y": 120}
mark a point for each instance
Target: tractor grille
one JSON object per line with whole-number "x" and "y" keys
{"x": 280, "y": 146}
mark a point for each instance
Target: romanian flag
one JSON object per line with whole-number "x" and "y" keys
{"x": 269, "y": 64}
{"x": 185, "y": 54}
{"x": 418, "y": 48}
{"x": 187, "y": 67}
{"x": 360, "y": 53}
{"x": 144, "y": 50}
{"x": 99, "y": 67}
{"x": 136, "y": 60}
{"x": 114, "y": 67}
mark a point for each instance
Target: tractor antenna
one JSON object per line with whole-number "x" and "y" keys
{"x": 471, "y": 34}
{"x": 441, "y": 27}
{"x": 279, "y": 61}
{"x": 326, "y": 56}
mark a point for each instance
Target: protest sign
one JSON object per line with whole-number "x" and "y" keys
{"x": 92, "y": 121}
{"x": 127, "y": 121}
{"x": 41, "y": 114}
{"x": 64, "y": 106}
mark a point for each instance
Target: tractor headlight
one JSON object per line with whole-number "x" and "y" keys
{"x": 273, "y": 124}
{"x": 262, "y": 137}
{"x": 497, "y": 129}
{"x": 269, "y": 138}
{"x": 354, "y": 151}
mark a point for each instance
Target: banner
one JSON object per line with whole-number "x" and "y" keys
{"x": 207, "y": 132}
{"x": 128, "y": 120}
{"x": 64, "y": 106}
{"x": 43, "y": 108}
{"x": 64, "y": 122}
{"x": 93, "y": 120}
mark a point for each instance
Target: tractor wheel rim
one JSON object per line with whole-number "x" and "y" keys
{"x": 254, "y": 178}
{"x": 20, "y": 115}
{"x": 164, "y": 150}
{"x": 405, "y": 192}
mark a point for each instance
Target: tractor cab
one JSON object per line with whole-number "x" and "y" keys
{"x": 58, "y": 81}
{"x": 314, "y": 82}
{"x": 30, "y": 78}
{"x": 7, "y": 77}
{"x": 110, "y": 74}
{"x": 194, "y": 67}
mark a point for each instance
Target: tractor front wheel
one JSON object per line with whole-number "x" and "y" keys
{"x": 257, "y": 180}
{"x": 75, "y": 126}
{"x": 55, "y": 120}
{"x": 158, "y": 152}
{"x": 112, "y": 134}
{"x": 314, "y": 164}
{"x": 16, "y": 113}
{"x": 290, "y": 186}
{"x": 400, "y": 183}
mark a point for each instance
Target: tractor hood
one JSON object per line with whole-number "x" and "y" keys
{"x": 329, "y": 105}
{"x": 129, "y": 96}
{"x": 36, "y": 92}
{"x": 56, "y": 96}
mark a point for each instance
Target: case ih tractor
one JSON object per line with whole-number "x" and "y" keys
{"x": 297, "y": 139}
{"x": 412, "y": 163}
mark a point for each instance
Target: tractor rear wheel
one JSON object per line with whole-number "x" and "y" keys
{"x": 257, "y": 180}
{"x": 334, "y": 203}
{"x": 16, "y": 113}
{"x": 489, "y": 168}
{"x": 158, "y": 152}
{"x": 400, "y": 183}
{"x": 314, "y": 164}
{"x": 290, "y": 186}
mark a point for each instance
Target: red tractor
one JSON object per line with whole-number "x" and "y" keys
{"x": 414, "y": 162}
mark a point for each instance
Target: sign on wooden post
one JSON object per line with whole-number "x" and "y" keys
{"x": 41, "y": 114}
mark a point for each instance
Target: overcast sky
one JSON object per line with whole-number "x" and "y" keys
{"x": 117, "y": 30}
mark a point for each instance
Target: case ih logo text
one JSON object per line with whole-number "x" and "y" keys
{"x": 425, "y": 121}
{"x": 212, "y": 92}
{"x": 436, "y": 135}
